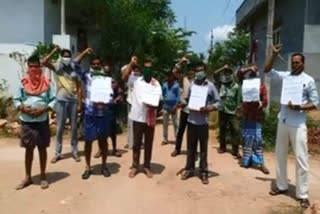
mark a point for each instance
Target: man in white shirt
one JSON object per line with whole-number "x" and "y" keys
{"x": 144, "y": 119}
{"x": 292, "y": 127}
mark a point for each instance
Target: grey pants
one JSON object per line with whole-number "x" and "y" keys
{"x": 166, "y": 115}
{"x": 66, "y": 110}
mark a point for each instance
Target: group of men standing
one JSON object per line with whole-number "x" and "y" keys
{"x": 35, "y": 98}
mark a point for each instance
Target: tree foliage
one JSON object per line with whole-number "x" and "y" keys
{"x": 140, "y": 27}
{"x": 231, "y": 51}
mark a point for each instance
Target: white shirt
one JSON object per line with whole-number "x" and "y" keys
{"x": 138, "y": 111}
{"x": 130, "y": 84}
{"x": 310, "y": 94}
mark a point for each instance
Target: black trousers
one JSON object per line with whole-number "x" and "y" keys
{"x": 182, "y": 126}
{"x": 141, "y": 130}
{"x": 229, "y": 121}
{"x": 195, "y": 134}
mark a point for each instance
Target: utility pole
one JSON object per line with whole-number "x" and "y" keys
{"x": 63, "y": 17}
{"x": 269, "y": 43}
{"x": 211, "y": 41}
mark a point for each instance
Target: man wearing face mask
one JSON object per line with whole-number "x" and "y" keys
{"x": 33, "y": 100}
{"x": 292, "y": 127}
{"x": 144, "y": 121}
{"x": 97, "y": 115}
{"x": 198, "y": 129}
{"x": 130, "y": 73}
{"x": 252, "y": 117}
{"x": 230, "y": 95}
{"x": 118, "y": 97}
{"x": 67, "y": 91}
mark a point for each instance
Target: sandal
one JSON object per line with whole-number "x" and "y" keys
{"x": 44, "y": 184}
{"x": 221, "y": 150}
{"x": 264, "y": 169}
{"x": 204, "y": 178}
{"x": 277, "y": 191}
{"x": 24, "y": 184}
{"x": 304, "y": 203}
{"x": 117, "y": 154}
{"x": 186, "y": 174}
{"x": 97, "y": 155}
{"x": 148, "y": 172}
{"x": 133, "y": 173}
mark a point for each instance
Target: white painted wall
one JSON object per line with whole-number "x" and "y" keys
{"x": 10, "y": 72}
{"x": 22, "y": 21}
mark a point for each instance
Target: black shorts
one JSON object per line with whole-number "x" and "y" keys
{"x": 35, "y": 134}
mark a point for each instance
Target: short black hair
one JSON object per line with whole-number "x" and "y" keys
{"x": 134, "y": 67}
{"x": 34, "y": 59}
{"x": 147, "y": 60}
{"x": 200, "y": 64}
{"x": 299, "y": 54}
{"x": 95, "y": 58}
{"x": 63, "y": 51}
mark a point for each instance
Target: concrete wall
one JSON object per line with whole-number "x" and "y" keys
{"x": 52, "y": 19}
{"x": 313, "y": 12}
{"x": 312, "y": 67}
{"x": 312, "y": 27}
{"x": 22, "y": 21}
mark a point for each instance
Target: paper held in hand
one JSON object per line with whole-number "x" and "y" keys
{"x": 251, "y": 90}
{"x": 150, "y": 94}
{"x": 101, "y": 90}
{"x": 292, "y": 89}
{"x": 198, "y": 97}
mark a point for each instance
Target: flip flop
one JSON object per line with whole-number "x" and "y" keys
{"x": 133, "y": 173}
{"x": 24, "y": 184}
{"x": 44, "y": 184}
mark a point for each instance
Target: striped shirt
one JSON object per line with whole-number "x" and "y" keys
{"x": 91, "y": 108}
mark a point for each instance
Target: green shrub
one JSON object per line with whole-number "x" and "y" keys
{"x": 269, "y": 126}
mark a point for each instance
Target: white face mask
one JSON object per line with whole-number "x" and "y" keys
{"x": 66, "y": 61}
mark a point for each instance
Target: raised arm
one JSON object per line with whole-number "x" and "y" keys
{"x": 178, "y": 66}
{"x": 270, "y": 61}
{"x": 127, "y": 71}
{"x": 45, "y": 61}
{"x": 86, "y": 52}
{"x": 221, "y": 69}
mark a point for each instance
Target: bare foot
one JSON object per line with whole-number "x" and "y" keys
{"x": 24, "y": 184}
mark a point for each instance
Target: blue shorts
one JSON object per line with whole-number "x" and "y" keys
{"x": 96, "y": 127}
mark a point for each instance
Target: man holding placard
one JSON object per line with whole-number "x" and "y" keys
{"x": 299, "y": 94}
{"x": 145, "y": 100}
{"x": 97, "y": 109}
{"x": 203, "y": 98}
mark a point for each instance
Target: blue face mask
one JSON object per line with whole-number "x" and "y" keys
{"x": 225, "y": 79}
{"x": 201, "y": 75}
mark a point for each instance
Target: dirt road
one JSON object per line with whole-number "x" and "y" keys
{"x": 231, "y": 190}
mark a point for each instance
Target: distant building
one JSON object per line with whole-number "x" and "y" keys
{"x": 24, "y": 23}
{"x": 296, "y": 27}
